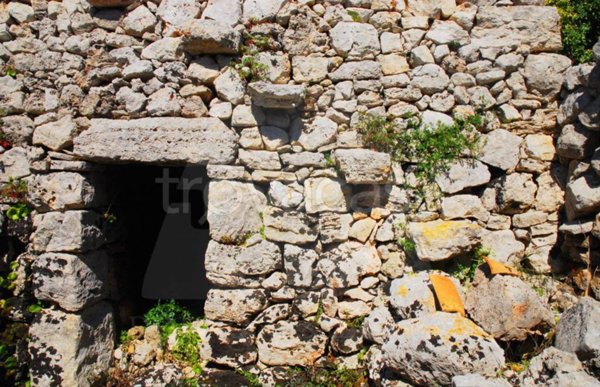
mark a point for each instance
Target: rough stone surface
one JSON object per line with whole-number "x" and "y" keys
{"x": 463, "y": 174}
{"x": 290, "y": 343}
{"x": 63, "y": 191}
{"x": 236, "y": 306}
{"x": 158, "y": 141}
{"x": 361, "y": 166}
{"x": 554, "y": 367}
{"x": 72, "y": 231}
{"x": 577, "y": 330}
{"x": 276, "y": 96}
{"x": 443, "y": 239}
{"x": 438, "y": 346}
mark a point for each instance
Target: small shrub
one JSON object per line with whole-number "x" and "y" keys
{"x": 187, "y": 349}
{"x": 432, "y": 149}
{"x": 250, "y": 69}
{"x": 15, "y": 190}
{"x": 251, "y": 379}
{"x": 407, "y": 244}
{"x": 580, "y": 27}
{"x": 320, "y": 311}
{"x": 328, "y": 375}
{"x": 466, "y": 273}
{"x": 18, "y": 212}
{"x": 169, "y": 313}
{"x": 9, "y": 71}
{"x": 356, "y": 322}
{"x": 253, "y": 44}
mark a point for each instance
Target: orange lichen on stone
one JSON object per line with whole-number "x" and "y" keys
{"x": 447, "y": 294}
{"x": 499, "y": 268}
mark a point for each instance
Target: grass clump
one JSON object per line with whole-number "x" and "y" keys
{"x": 251, "y": 379}
{"x": 328, "y": 375}
{"x": 432, "y": 149}
{"x": 580, "y": 27}
{"x": 187, "y": 348}
{"x": 355, "y": 16}
{"x": 167, "y": 316}
{"x": 466, "y": 273}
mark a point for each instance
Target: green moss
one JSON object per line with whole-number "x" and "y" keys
{"x": 355, "y": 16}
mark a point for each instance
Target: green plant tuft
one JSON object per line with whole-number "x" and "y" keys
{"x": 355, "y": 16}
{"x": 251, "y": 379}
{"x": 327, "y": 375}
{"x": 356, "y": 322}
{"x": 168, "y": 313}
{"x": 17, "y": 212}
{"x": 580, "y": 27}
{"x": 187, "y": 348}
{"x": 466, "y": 273}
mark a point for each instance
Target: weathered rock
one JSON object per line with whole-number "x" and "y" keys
{"x": 539, "y": 147}
{"x": 428, "y": 7}
{"x": 177, "y": 13}
{"x": 358, "y": 40}
{"x": 356, "y": 70}
{"x": 138, "y": 21}
{"x": 438, "y": 346}
{"x": 471, "y": 380}
{"x": 504, "y": 245}
{"x": 63, "y": 191}
{"x": 363, "y": 166}
{"x": 590, "y": 116}
{"x": 325, "y": 195}
{"x": 504, "y": 27}
{"x": 321, "y": 131}
{"x": 74, "y": 282}
{"x": 577, "y": 330}
{"x": 229, "y": 347}
{"x": 56, "y": 135}
{"x": 445, "y": 32}
{"x": 163, "y": 103}
{"x": 71, "y": 231}
{"x": 276, "y": 96}
{"x": 236, "y": 306}
{"x": 71, "y": 349}
{"x": 211, "y": 37}
{"x": 464, "y": 206}
{"x": 164, "y": 50}
{"x": 230, "y": 87}
{"x": 583, "y": 196}
{"x": 345, "y": 265}
{"x": 500, "y": 149}
{"x": 289, "y": 227}
{"x": 298, "y": 263}
{"x": 310, "y": 69}
{"x": 362, "y": 229}
{"x": 378, "y": 325}
{"x": 411, "y": 296}
{"x": 442, "y": 239}
{"x": 234, "y": 210}
{"x": 290, "y": 343}
{"x": 262, "y": 160}
{"x": 228, "y": 12}
{"x": 347, "y": 340}
{"x": 288, "y": 196}
{"x": 430, "y": 79}
{"x": 334, "y": 227}
{"x": 515, "y": 193}
{"x": 545, "y": 73}
{"x": 260, "y": 10}
{"x": 554, "y": 367}
{"x": 228, "y": 265}
{"x": 463, "y": 174}
{"x": 576, "y": 142}
{"x": 158, "y": 141}
{"x": 507, "y": 308}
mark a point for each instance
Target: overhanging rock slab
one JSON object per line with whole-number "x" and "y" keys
{"x": 163, "y": 141}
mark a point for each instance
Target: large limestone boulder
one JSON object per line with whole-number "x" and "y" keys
{"x": 554, "y": 367}
{"x": 577, "y": 331}
{"x": 276, "y": 96}
{"x": 234, "y": 210}
{"x": 355, "y": 39}
{"x": 72, "y": 281}
{"x": 435, "y": 347}
{"x": 363, "y": 166}
{"x": 211, "y": 37}
{"x": 236, "y": 306}
{"x": 288, "y": 343}
{"x": 442, "y": 239}
{"x": 241, "y": 266}
{"x": 71, "y": 231}
{"x": 64, "y": 191}
{"x": 507, "y": 308}
{"x": 545, "y": 73}
{"x": 536, "y": 27}
{"x": 161, "y": 140}
{"x": 500, "y": 149}
{"x": 71, "y": 349}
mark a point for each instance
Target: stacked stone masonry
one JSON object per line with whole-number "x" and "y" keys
{"x": 304, "y": 217}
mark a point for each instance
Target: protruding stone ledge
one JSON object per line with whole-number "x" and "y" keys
{"x": 162, "y": 141}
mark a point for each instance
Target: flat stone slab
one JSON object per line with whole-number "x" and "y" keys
{"x": 162, "y": 141}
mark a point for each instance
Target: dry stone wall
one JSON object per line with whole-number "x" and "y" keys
{"x": 305, "y": 218}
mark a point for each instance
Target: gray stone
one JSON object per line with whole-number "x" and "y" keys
{"x": 507, "y": 308}
{"x": 429, "y": 7}
{"x": 261, "y": 10}
{"x": 276, "y": 96}
{"x": 471, "y": 380}
{"x": 236, "y": 306}
{"x": 504, "y": 246}
{"x": 258, "y": 159}
{"x": 162, "y": 140}
{"x": 74, "y": 282}
{"x": 325, "y": 195}
{"x": 177, "y": 13}
{"x": 71, "y": 349}
{"x": 577, "y": 330}
{"x": 63, "y": 191}
{"x": 438, "y": 346}
{"x": 164, "y": 50}
{"x": 576, "y": 142}
{"x": 321, "y": 131}
{"x": 347, "y": 340}
{"x": 56, "y": 135}
{"x": 334, "y": 227}
{"x": 139, "y": 21}
{"x": 304, "y": 159}
{"x": 445, "y": 32}
{"x": 287, "y": 196}
{"x": 230, "y": 87}
{"x": 234, "y": 210}
{"x": 545, "y": 73}
{"x": 362, "y": 166}
{"x": 229, "y": 347}
{"x": 15, "y": 162}
{"x": 211, "y": 37}
{"x": 228, "y": 12}
{"x": 430, "y": 79}
{"x": 356, "y": 70}
{"x": 554, "y": 367}
{"x": 583, "y": 196}
{"x": 357, "y": 40}
{"x": 289, "y": 227}
{"x": 411, "y": 296}
{"x": 290, "y": 343}
{"x": 590, "y": 116}
{"x": 442, "y": 239}
{"x": 515, "y": 193}
{"x": 464, "y": 206}
{"x": 345, "y": 265}
{"x": 463, "y": 174}
{"x": 22, "y": 13}
{"x": 310, "y": 69}
{"x": 298, "y": 263}
{"x": 71, "y": 231}
{"x": 500, "y": 149}
{"x": 378, "y": 325}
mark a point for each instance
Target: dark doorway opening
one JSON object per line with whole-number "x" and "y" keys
{"x": 160, "y": 237}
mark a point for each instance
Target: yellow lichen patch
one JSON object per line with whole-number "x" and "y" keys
{"x": 447, "y": 294}
{"x": 499, "y": 268}
{"x": 402, "y": 290}
{"x": 465, "y": 327}
{"x": 444, "y": 229}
